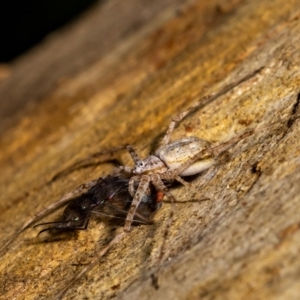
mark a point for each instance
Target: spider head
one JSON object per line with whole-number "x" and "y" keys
{"x": 151, "y": 164}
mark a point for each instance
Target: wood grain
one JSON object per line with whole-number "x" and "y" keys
{"x": 242, "y": 243}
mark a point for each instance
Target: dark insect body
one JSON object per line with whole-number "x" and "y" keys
{"x": 109, "y": 197}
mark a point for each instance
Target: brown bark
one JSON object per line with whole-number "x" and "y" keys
{"x": 243, "y": 242}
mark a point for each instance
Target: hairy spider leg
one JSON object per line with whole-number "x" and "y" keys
{"x": 202, "y": 102}
{"x": 89, "y": 267}
{"x": 107, "y": 156}
{"x": 174, "y": 174}
{"x": 135, "y": 157}
{"x": 144, "y": 181}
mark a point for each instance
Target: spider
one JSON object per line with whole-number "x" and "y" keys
{"x": 184, "y": 157}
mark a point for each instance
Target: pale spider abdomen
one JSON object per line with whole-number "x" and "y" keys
{"x": 179, "y": 151}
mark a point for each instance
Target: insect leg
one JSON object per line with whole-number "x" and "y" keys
{"x": 79, "y": 190}
{"x": 65, "y": 225}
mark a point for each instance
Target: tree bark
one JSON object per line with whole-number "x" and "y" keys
{"x": 241, "y": 243}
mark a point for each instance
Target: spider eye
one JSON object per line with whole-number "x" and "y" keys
{"x": 140, "y": 164}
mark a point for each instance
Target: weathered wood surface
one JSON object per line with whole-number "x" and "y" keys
{"x": 242, "y": 243}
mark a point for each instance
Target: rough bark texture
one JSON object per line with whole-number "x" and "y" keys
{"x": 242, "y": 243}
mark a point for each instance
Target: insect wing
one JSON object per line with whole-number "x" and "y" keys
{"x": 117, "y": 200}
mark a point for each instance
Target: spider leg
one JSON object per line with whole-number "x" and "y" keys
{"x": 131, "y": 188}
{"x": 133, "y": 154}
{"x": 141, "y": 190}
{"x": 121, "y": 169}
{"x": 213, "y": 151}
{"x": 219, "y": 149}
{"x": 108, "y": 155}
{"x": 86, "y": 269}
{"x": 79, "y": 190}
{"x": 190, "y": 186}
{"x": 159, "y": 185}
{"x": 179, "y": 117}
{"x": 201, "y": 103}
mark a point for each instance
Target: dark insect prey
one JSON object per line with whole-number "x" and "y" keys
{"x": 108, "y": 197}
